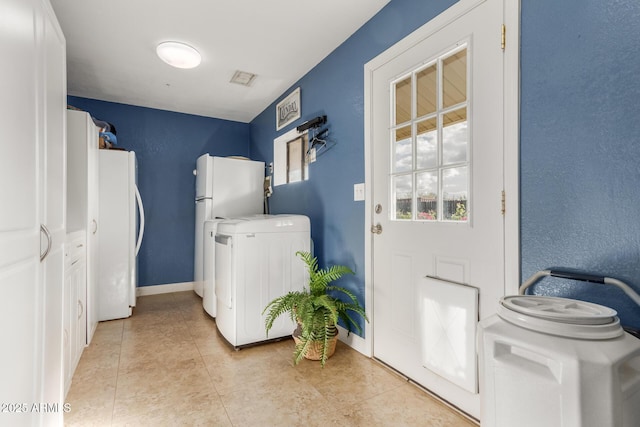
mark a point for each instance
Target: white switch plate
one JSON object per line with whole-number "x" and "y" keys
{"x": 358, "y": 192}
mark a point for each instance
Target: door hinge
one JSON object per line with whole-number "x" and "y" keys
{"x": 503, "y": 37}
{"x": 503, "y": 203}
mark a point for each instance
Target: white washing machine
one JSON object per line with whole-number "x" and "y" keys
{"x": 547, "y": 361}
{"x": 209, "y": 299}
{"x": 256, "y": 262}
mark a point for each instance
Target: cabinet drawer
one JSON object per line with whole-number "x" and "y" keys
{"x": 75, "y": 248}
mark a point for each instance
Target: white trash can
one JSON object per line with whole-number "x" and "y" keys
{"x": 547, "y": 361}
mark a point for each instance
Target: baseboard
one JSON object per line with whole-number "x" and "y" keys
{"x": 354, "y": 341}
{"x": 164, "y": 289}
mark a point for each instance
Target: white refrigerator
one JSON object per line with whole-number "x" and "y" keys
{"x": 226, "y": 187}
{"x": 122, "y": 227}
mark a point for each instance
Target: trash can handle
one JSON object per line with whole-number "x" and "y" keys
{"x": 580, "y": 277}
{"x": 577, "y": 276}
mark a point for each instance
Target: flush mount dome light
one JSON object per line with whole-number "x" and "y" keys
{"x": 178, "y": 54}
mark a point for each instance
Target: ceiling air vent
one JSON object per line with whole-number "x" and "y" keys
{"x": 243, "y": 78}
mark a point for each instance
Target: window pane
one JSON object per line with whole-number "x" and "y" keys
{"x": 403, "y": 191}
{"x": 455, "y": 137}
{"x": 294, "y": 160}
{"x": 431, "y": 141}
{"x": 403, "y": 101}
{"x": 427, "y": 144}
{"x": 427, "y": 196}
{"x": 402, "y": 152}
{"x": 427, "y": 94}
{"x": 454, "y": 79}
{"x": 455, "y": 187}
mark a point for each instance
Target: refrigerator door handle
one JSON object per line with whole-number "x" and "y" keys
{"x": 141, "y": 210}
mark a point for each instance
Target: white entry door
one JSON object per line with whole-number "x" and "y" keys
{"x": 437, "y": 141}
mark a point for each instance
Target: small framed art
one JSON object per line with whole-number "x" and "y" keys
{"x": 288, "y": 109}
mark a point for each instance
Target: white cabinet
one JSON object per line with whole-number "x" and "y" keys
{"x": 82, "y": 200}
{"x": 75, "y": 313}
{"x": 32, "y": 217}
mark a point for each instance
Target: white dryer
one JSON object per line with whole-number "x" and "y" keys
{"x": 256, "y": 262}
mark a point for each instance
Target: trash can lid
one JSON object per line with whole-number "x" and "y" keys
{"x": 561, "y": 316}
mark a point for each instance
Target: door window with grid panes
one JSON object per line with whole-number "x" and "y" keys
{"x": 430, "y": 141}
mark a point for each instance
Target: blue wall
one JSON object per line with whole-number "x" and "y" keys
{"x": 580, "y": 151}
{"x": 167, "y": 145}
{"x": 335, "y": 87}
{"x": 580, "y": 145}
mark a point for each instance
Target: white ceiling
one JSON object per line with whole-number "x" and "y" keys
{"x": 111, "y": 49}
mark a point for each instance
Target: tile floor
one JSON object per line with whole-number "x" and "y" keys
{"x": 168, "y": 366}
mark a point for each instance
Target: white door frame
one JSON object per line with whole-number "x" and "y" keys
{"x": 511, "y": 146}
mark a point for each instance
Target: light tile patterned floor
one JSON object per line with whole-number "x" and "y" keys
{"x": 168, "y": 366}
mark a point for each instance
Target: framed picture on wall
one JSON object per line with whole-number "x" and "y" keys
{"x": 288, "y": 109}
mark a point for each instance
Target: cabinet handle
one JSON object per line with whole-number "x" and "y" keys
{"x": 81, "y": 309}
{"x": 95, "y": 226}
{"x": 45, "y": 230}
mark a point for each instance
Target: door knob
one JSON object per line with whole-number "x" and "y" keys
{"x": 376, "y": 229}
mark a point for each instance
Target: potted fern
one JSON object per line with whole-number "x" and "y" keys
{"x": 316, "y": 311}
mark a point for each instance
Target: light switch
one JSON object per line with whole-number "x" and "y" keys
{"x": 358, "y": 192}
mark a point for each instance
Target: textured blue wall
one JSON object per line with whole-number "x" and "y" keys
{"x": 580, "y": 149}
{"x": 335, "y": 87}
{"x": 167, "y": 145}
{"x": 580, "y": 145}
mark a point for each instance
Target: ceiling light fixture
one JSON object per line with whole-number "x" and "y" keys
{"x": 178, "y": 54}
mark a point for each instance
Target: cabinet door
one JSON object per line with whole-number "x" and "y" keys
{"x": 32, "y": 188}
{"x": 82, "y": 198}
{"x": 20, "y": 284}
{"x": 54, "y": 207}
{"x": 75, "y": 276}
{"x": 93, "y": 229}
{"x": 75, "y": 279}
{"x": 68, "y": 328}
{"x": 81, "y": 306}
